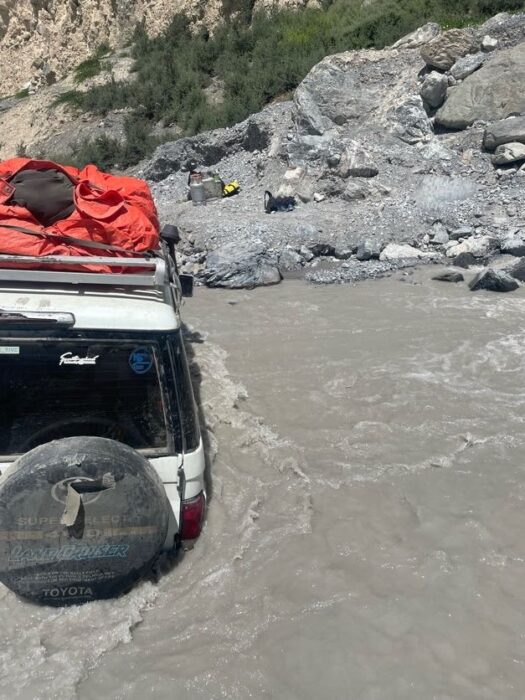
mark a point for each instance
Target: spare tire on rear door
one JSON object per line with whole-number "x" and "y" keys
{"x": 80, "y": 519}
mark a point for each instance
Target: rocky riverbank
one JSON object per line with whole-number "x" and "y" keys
{"x": 408, "y": 155}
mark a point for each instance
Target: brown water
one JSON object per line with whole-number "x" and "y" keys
{"x": 365, "y": 531}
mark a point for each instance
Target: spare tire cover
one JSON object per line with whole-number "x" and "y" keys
{"x": 117, "y": 520}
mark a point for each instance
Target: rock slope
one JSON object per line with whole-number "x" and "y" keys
{"x": 365, "y": 146}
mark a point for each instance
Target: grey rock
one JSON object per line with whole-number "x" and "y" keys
{"x": 419, "y": 37}
{"x": 290, "y": 260}
{"x": 333, "y": 186}
{"x": 462, "y": 232}
{"x": 355, "y": 190}
{"x": 467, "y": 65}
{"x": 357, "y": 162}
{"x": 434, "y": 89}
{"x": 241, "y": 265}
{"x": 488, "y": 43}
{"x": 410, "y": 121}
{"x": 368, "y": 250}
{"x": 517, "y": 269}
{"x": 306, "y": 253}
{"x": 297, "y": 183}
{"x": 444, "y": 50}
{"x": 513, "y": 245}
{"x": 344, "y": 253}
{"x": 493, "y": 92}
{"x": 479, "y": 247}
{"x": 493, "y": 281}
{"x": 466, "y": 260}
{"x": 395, "y": 251}
{"x": 439, "y": 234}
{"x": 449, "y": 277}
{"x": 209, "y": 148}
{"x": 331, "y": 95}
{"x": 509, "y": 153}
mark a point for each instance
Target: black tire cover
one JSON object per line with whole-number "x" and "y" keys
{"x": 115, "y": 531}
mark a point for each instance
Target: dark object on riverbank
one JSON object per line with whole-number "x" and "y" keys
{"x": 493, "y": 281}
{"x": 449, "y": 277}
{"x": 466, "y": 260}
{"x": 272, "y": 203}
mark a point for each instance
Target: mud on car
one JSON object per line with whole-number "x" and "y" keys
{"x": 101, "y": 457}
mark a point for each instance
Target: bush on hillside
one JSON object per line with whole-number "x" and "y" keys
{"x": 93, "y": 65}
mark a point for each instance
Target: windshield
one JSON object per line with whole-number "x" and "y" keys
{"x": 55, "y": 389}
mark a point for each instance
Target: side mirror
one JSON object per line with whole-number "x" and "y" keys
{"x": 186, "y": 285}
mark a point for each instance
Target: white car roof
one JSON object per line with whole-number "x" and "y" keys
{"x": 96, "y": 307}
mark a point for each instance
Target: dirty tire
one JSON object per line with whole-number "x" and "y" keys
{"x": 114, "y": 528}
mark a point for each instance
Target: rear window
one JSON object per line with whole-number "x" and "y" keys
{"x": 57, "y": 389}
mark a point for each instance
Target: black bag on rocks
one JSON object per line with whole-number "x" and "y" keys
{"x": 272, "y": 203}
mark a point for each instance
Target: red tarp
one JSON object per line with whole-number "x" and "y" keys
{"x": 109, "y": 209}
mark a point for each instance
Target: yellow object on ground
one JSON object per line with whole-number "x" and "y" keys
{"x": 231, "y": 188}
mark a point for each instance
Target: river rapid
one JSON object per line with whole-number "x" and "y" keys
{"x": 367, "y": 507}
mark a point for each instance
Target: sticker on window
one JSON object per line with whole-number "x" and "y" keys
{"x": 9, "y": 350}
{"x": 141, "y": 360}
{"x": 69, "y": 359}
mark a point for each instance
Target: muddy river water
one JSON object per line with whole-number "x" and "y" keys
{"x": 365, "y": 537}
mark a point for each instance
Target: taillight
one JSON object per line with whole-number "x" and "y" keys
{"x": 192, "y": 517}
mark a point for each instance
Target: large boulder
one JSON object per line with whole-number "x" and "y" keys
{"x": 444, "y": 50}
{"x": 509, "y": 153}
{"x": 355, "y": 92}
{"x": 331, "y": 95}
{"x": 493, "y": 281}
{"x": 504, "y": 131}
{"x": 241, "y": 265}
{"x": 434, "y": 89}
{"x": 493, "y": 92}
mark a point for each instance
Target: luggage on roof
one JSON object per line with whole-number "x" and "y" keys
{"x": 49, "y": 209}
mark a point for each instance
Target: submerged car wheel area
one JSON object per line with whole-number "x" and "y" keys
{"x": 101, "y": 458}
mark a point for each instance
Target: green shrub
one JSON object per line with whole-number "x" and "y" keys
{"x": 22, "y": 94}
{"x": 73, "y": 98}
{"x": 93, "y": 65}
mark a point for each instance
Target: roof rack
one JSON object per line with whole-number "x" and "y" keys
{"x": 153, "y": 271}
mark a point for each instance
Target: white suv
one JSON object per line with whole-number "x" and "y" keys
{"x": 100, "y": 355}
